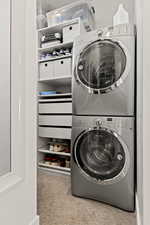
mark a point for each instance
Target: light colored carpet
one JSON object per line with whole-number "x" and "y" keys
{"x": 57, "y": 206}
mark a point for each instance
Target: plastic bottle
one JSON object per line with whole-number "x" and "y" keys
{"x": 121, "y": 16}
{"x": 41, "y": 18}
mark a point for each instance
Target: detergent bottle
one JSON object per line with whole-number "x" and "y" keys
{"x": 121, "y": 16}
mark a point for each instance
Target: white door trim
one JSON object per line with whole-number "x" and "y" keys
{"x": 35, "y": 221}
{"x": 138, "y": 218}
{"x": 18, "y": 115}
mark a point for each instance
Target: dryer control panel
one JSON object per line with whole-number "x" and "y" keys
{"x": 119, "y": 30}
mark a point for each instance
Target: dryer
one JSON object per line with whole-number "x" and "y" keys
{"x": 103, "y": 160}
{"x": 104, "y": 72}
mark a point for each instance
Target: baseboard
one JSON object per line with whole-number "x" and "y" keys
{"x": 35, "y": 221}
{"x": 138, "y": 219}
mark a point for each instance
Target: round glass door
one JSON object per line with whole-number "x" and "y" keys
{"x": 101, "y": 64}
{"x": 100, "y": 154}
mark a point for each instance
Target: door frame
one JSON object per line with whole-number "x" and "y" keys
{"x": 17, "y": 67}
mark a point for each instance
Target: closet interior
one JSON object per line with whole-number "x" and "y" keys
{"x": 57, "y": 26}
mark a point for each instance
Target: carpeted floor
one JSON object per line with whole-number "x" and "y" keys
{"x": 57, "y": 206}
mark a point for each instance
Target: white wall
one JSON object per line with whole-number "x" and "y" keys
{"x": 106, "y": 9}
{"x": 139, "y": 199}
{"x": 146, "y": 111}
{"x": 18, "y": 204}
{"x": 143, "y": 65}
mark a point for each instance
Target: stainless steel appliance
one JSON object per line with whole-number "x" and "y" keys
{"x": 103, "y": 160}
{"x": 104, "y": 72}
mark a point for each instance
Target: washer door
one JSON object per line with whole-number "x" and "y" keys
{"x": 101, "y": 155}
{"x": 102, "y": 65}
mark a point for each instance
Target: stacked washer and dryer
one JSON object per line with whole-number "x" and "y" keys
{"x": 103, "y": 133}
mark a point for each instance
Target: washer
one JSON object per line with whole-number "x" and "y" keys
{"x": 104, "y": 72}
{"x": 103, "y": 160}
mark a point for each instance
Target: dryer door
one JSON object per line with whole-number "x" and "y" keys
{"x": 101, "y": 155}
{"x": 102, "y": 65}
